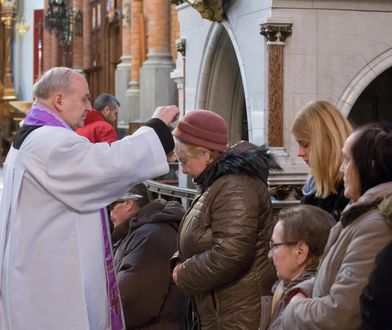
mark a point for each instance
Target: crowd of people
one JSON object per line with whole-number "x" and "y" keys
{"x": 84, "y": 246}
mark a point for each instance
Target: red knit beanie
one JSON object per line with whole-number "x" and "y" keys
{"x": 203, "y": 128}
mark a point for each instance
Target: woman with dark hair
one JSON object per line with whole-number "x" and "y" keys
{"x": 375, "y": 301}
{"x": 331, "y": 299}
{"x": 296, "y": 246}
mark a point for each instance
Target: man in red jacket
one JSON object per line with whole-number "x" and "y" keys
{"x": 99, "y": 125}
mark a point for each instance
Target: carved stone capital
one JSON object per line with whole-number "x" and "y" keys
{"x": 213, "y": 10}
{"x": 276, "y": 33}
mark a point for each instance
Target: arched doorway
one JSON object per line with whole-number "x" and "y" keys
{"x": 375, "y": 102}
{"x": 220, "y": 87}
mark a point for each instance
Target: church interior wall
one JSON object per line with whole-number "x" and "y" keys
{"x": 242, "y": 27}
{"x": 331, "y": 42}
{"x": 323, "y": 56}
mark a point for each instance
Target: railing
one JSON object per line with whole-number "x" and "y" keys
{"x": 186, "y": 195}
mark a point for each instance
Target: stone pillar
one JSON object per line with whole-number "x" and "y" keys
{"x": 137, "y": 53}
{"x": 156, "y": 86}
{"x": 86, "y": 35}
{"x": 123, "y": 70}
{"x": 276, "y": 34}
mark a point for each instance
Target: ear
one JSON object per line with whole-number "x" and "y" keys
{"x": 58, "y": 101}
{"x": 130, "y": 206}
{"x": 105, "y": 111}
{"x": 302, "y": 252}
{"x": 206, "y": 157}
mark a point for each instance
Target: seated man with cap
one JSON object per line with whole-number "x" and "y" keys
{"x": 144, "y": 239}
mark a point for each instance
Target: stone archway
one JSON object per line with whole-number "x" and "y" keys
{"x": 220, "y": 88}
{"x": 375, "y": 102}
{"x": 363, "y": 92}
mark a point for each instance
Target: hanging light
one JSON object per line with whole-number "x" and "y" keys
{"x": 59, "y": 19}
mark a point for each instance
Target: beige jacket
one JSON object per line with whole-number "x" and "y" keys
{"x": 348, "y": 260}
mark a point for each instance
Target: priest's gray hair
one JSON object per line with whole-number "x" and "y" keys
{"x": 54, "y": 80}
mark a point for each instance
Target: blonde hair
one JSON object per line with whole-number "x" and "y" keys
{"x": 194, "y": 151}
{"x": 321, "y": 125}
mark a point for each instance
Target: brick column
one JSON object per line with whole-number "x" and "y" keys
{"x": 137, "y": 38}
{"x": 174, "y": 31}
{"x": 156, "y": 86}
{"x": 50, "y": 51}
{"x": 77, "y": 38}
{"x": 276, "y": 34}
{"x": 123, "y": 70}
{"x": 86, "y": 34}
{"x": 54, "y": 47}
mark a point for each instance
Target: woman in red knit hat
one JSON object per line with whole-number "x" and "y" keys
{"x": 222, "y": 260}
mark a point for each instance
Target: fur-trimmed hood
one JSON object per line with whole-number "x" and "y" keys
{"x": 242, "y": 158}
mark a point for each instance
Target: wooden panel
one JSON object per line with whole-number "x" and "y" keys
{"x": 105, "y": 48}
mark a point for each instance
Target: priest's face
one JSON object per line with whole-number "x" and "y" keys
{"x": 75, "y": 102}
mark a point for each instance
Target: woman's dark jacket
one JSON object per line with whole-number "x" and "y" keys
{"x": 223, "y": 240}
{"x": 143, "y": 246}
{"x": 376, "y": 298}
{"x": 333, "y": 204}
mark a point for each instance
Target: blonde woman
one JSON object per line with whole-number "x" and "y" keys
{"x": 320, "y": 130}
{"x": 330, "y": 300}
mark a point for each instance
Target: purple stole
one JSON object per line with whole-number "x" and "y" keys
{"x": 40, "y": 115}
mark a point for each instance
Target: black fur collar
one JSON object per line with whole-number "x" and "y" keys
{"x": 242, "y": 158}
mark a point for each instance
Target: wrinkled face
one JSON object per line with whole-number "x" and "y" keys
{"x": 304, "y": 150}
{"x": 110, "y": 115}
{"x": 75, "y": 102}
{"x": 192, "y": 165}
{"x": 352, "y": 185}
{"x": 284, "y": 257}
{"x": 120, "y": 213}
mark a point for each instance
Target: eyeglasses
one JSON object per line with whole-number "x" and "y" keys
{"x": 273, "y": 245}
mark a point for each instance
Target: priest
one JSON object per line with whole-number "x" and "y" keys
{"x": 56, "y": 267}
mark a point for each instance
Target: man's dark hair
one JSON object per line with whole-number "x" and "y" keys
{"x": 141, "y": 189}
{"x": 106, "y": 99}
{"x": 371, "y": 152}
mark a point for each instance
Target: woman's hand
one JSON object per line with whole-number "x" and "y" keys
{"x": 175, "y": 272}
